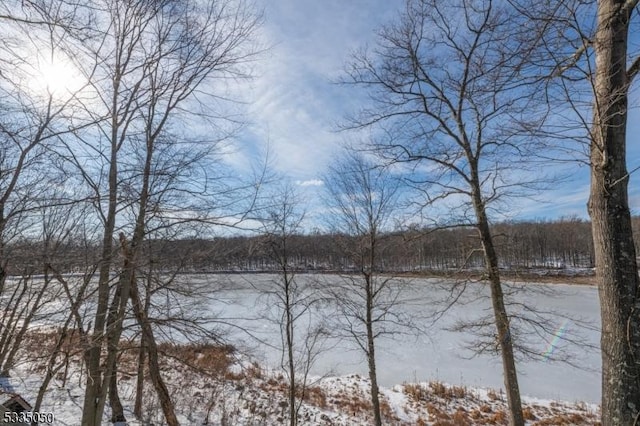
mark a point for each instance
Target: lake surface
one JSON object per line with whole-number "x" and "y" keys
{"x": 438, "y": 353}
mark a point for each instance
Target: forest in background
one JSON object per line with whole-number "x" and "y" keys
{"x": 559, "y": 244}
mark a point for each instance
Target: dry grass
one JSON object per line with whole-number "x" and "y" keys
{"x": 436, "y": 413}
{"x": 214, "y": 359}
{"x": 499, "y": 418}
{"x": 441, "y": 390}
{"x": 315, "y": 396}
{"x": 416, "y": 392}
{"x": 527, "y": 413}
{"x": 493, "y": 395}
{"x": 434, "y": 403}
{"x": 563, "y": 420}
{"x": 351, "y": 404}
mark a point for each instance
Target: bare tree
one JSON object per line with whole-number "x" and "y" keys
{"x": 616, "y": 262}
{"x": 590, "y": 65}
{"x": 446, "y": 82}
{"x": 364, "y": 199}
{"x": 32, "y": 121}
{"x": 145, "y": 64}
{"x": 294, "y": 302}
{"x": 35, "y": 206}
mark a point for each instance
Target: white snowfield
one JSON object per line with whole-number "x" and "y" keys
{"x": 441, "y": 354}
{"x": 252, "y": 391}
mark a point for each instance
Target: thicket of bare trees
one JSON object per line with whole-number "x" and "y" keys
{"x": 446, "y": 82}
{"x": 110, "y": 177}
{"x": 122, "y": 146}
{"x": 563, "y": 245}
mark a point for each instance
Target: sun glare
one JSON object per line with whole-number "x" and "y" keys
{"x": 57, "y": 77}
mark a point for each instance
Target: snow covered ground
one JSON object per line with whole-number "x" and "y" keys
{"x": 412, "y": 368}
{"x": 240, "y": 392}
{"x": 439, "y": 354}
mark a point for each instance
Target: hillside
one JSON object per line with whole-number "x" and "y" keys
{"x": 214, "y": 385}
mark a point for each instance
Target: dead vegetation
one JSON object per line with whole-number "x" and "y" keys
{"x": 216, "y": 379}
{"x": 447, "y": 405}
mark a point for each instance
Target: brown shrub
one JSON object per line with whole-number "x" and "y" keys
{"x": 437, "y": 413}
{"x": 441, "y": 390}
{"x": 458, "y": 392}
{"x": 438, "y": 389}
{"x": 570, "y": 419}
{"x": 214, "y": 359}
{"x": 416, "y": 392}
{"x": 460, "y": 418}
{"x": 499, "y": 418}
{"x": 476, "y": 414}
{"x": 386, "y": 411}
{"x": 486, "y": 408}
{"x": 528, "y": 414}
{"x": 315, "y": 396}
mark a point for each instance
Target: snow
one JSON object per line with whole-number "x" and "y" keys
{"x": 440, "y": 354}
{"x": 258, "y": 397}
{"x": 421, "y": 377}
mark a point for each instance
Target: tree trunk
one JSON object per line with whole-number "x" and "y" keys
{"x": 154, "y": 366}
{"x": 111, "y": 373}
{"x": 293, "y": 414}
{"x": 615, "y": 255}
{"x": 115, "y": 322}
{"x": 137, "y": 408}
{"x": 371, "y": 354}
{"x": 500, "y": 314}
{"x": 94, "y": 398}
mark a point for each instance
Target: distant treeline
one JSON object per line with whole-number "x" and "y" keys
{"x": 563, "y": 243}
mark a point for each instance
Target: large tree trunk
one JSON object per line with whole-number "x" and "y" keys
{"x": 115, "y": 325}
{"x": 114, "y": 331}
{"x": 94, "y": 397}
{"x": 616, "y": 265}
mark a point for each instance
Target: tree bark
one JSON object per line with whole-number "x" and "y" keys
{"x": 500, "y": 314}
{"x": 371, "y": 354}
{"x": 94, "y": 398}
{"x": 154, "y": 365}
{"x": 289, "y": 325}
{"x": 137, "y": 408}
{"x": 111, "y": 373}
{"x": 615, "y": 255}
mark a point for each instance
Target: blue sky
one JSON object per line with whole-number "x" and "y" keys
{"x": 294, "y": 108}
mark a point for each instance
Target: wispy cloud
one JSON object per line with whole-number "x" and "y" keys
{"x": 293, "y": 105}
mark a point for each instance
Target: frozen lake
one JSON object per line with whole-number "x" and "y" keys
{"x": 439, "y": 354}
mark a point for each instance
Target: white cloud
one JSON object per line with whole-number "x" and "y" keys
{"x": 293, "y": 105}
{"x": 311, "y": 182}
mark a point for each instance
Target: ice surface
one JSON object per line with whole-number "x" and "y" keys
{"x": 441, "y": 354}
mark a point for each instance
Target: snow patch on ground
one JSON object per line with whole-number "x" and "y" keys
{"x": 240, "y": 392}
